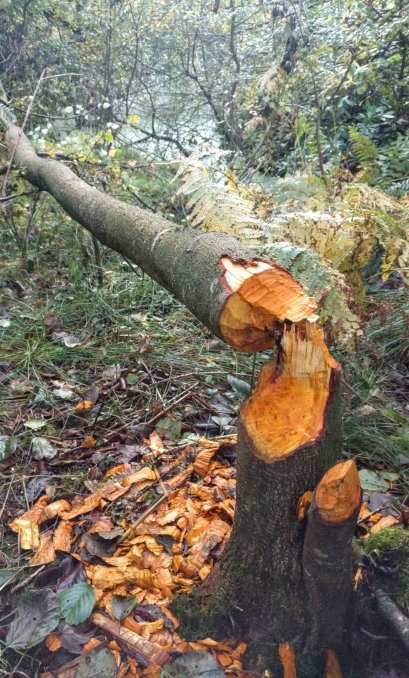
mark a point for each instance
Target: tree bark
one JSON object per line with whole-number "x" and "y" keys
{"x": 289, "y": 428}
{"x": 327, "y": 557}
{"x": 289, "y": 435}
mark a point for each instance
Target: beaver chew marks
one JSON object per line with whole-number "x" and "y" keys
{"x": 338, "y": 495}
{"x": 262, "y": 297}
{"x": 287, "y": 409}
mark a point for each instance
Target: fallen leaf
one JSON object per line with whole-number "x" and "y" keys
{"x": 193, "y": 664}
{"x": 37, "y": 614}
{"x": 36, "y": 486}
{"x": 97, "y": 663}
{"x": 71, "y": 639}
{"x": 98, "y": 547}
{"x": 41, "y": 448}
{"x": 372, "y": 481}
{"x": 77, "y": 603}
{"x": 122, "y": 607}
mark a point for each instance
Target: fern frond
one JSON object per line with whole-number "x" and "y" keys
{"x": 328, "y": 287}
{"x": 366, "y": 152}
{"x": 217, "y": 206}
{"x": 328, "y": 239}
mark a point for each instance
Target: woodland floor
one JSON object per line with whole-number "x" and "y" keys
{"x": 117, "y": 422}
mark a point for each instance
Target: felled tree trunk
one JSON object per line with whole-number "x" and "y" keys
{"x": 289, "y": 429}
{"x": 198, "y": 268}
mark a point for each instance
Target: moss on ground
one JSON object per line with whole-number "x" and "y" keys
{"x": 389, "y": 548}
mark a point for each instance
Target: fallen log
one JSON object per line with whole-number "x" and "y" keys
{"x": 289, "y": 428}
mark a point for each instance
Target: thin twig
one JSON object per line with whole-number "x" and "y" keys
{"x": 143, "y": 516}
{"x": 27, "y": 580}
{"x": 21, "y": 131}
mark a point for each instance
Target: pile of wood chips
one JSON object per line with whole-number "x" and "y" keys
{"x": 166, "y": 549}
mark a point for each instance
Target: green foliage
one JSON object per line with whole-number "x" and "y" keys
{"x": 327, "y": 236}
{"x": 367, "y": 154}
{"x": 391, "y": 546}
{"x": 217, "y": 206}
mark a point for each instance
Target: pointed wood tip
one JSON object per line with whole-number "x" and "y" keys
{"x": 338, "y": 494}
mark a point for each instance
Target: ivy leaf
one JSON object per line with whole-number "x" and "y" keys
{"x": 71, "y": 639}
{"x": 121, "y": 606}
{"x": 77, "y": 603}
{"x": 37, "y": 614}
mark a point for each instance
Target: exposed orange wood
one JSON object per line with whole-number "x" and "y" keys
{"x": 287, "y": 658}
{"x": 261, "y": 295}
{"x": 287, "y": 409}
{"x": 153, "y": 654}
{"x": 332, "y": 667}
{"x": 338, "y": 494}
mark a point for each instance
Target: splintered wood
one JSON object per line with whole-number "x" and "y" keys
{"x": 287, "y": 409}
{"x": 261, "y": 296}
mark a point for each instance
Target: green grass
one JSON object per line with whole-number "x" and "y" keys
{"x": 376, "y": 420}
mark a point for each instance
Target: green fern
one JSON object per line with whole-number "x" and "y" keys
{"x": 366, "y": 152}
{"x": 326, "y": 285}
{"x": 327, "y": 236}
{"x": 216, "y": 206}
